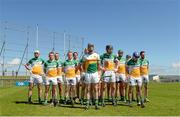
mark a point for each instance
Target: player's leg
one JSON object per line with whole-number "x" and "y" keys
{"x": 139, "y": 89}
{"x": 131, "y": 86}
{"x": 130, "y": 95}
{"x": 94, "y": 84}
{"x": 116, "y": 90}
{"x": 66, "y": 92}
{"x": 60, "y": 91}
{"x": 39, "y": 82}
{"x": 99, "y": 93}
{"x": 104, "y": 86}
{"x": 72, "y": 94}
{"x": 146, "y": 92}
{"x": 77, "y": 89}
{"x": 138, "y": 96}
{"x": 73, "y": 91}
{"x": 88, "y": 80}
{"x": 54, "y": 95}
{"x": 108, "y": 91}
{"x": 122, "y": 85}
{"x": 95, "y": 88}
{"x": 113, "y": 85}
{"x": 88, "y": 87}
{"x": 145, "y": 82}
{"x": 54, "y": 91}
{"x": 126, "y": 87}
{"x": 91, "y": 95}
{"x": 133, "y": 94}
{"x": 39, "y": 86}
{"x": 126, "y": 91}
{"x": 60, "y": 85}
{"x": 31, "y": 85}
{"x": 47, "y": 86}
{"x": 77, "y": 86}
{"x": 83, "y": 88}
{"x": 120, "y": 88}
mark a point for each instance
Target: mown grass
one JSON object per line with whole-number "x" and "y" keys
{"x": 165, "y": 100}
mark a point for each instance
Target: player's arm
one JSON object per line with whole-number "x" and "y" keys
{"x": 116, "y": 64}
{"x": 100, "y": 69}
{"x": 127, "y": 67}
{"x": 63, "y": 69}
{"x": 27, "y": 65}
{"x": 76, "y": 67}
{"x": 148, "y": 65}
{"x": 45, "y": 65}
{"x": 81, "y": 65}
{"x": 57, "y": 66}
{"x": 101, "y": 64}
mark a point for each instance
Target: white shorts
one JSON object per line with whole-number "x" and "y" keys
{"x": 145, "y": 79}
{"x": 91, "y": 78}
{"x": 49, "y": 80}
{"x": 109, "y": 76}
{"x": 120, "y": 77}
{"x": 82, "y": 80}
{"x": 126, "y": 80}
{"x": 70, "y": 81}
{"x": 60, "y": 79}
{"x": 78, "y": 77}
{"x": 135, "y": 81}
{"x": 35, "y": 80}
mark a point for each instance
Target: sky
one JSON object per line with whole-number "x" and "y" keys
{"x": 130, "y": 25}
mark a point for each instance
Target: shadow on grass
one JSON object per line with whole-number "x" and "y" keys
{"x": 35, "y": 102}
{"x": 21, "y": 102}
{"x": 122, "y": 105}
{"x": 119, "y": 104}
{"x": 69, "y": 106}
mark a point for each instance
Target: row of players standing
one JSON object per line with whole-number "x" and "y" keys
{"x": 94, "y": 74}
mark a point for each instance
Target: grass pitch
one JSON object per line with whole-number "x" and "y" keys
{"x": 164, "y": 97}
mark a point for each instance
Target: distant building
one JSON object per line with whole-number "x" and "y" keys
{"x": 154, "y": 77}
{"x": 170, "y": 78}
{"x": 164, "y": 78}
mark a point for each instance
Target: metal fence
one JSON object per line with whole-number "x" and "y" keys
{"x": 17, "y": 43}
